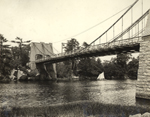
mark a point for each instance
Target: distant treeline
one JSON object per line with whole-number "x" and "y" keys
{"x": 121, "y": 67}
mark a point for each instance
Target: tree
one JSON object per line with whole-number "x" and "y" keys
{"x": 23, "y": 50}
{"x": 85, "y": 44}
{"x": 133, "y": 68}
{"x": 71, "y": 45}
{"x": 121, "y": 68}
{"x": 89, "y": 67}
{"x": 66, "y": 68}
{"x": 99, "y": 64}
{"x": 122, "y": 61}
{"x": 110, "y": 69}
{"x": 17, "y": 59}
{"x": 5, "y": 58}
{"x": 25, "y": 54}
{"x": 63, "y": 70}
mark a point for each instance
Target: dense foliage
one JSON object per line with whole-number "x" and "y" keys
{"x": 90, "y": 67}
{"x": 72, "y": 45}
{"x": 5, "y": 58}
{"x": 133, "y": 68}
{"x": 123, "y": 66}
{"x": 11, "y": 57}
{"x": 20, "y": 54}
{"x": 63, "y": 70}
{"x": 68, "y": 68}
{"x": 83, "y": 67}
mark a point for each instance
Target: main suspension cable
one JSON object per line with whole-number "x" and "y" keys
{"x": 92, "y": 26}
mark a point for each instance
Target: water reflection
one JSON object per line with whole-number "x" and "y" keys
{"x": 35, "y": 94}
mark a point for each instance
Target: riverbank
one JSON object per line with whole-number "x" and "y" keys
{"x": 75, "y": 109}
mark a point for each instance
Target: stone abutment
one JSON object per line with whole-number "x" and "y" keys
{"x": 143, "y": 81}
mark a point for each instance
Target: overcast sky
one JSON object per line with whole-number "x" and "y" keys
{"x": 56, "y": 21}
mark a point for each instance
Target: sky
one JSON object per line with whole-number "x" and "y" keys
{"x": 56, "y": 21}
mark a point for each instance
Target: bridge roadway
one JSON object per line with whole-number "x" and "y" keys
{"x": 110, "y": 48}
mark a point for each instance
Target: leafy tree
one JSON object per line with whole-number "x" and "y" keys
{"x": 20, "y": 57}
{"x": 85, "y": 44}
{"x": 89, "y": 67}
{"x": 66, "y": 68}
{"x": 120, "y": 67}
{"x": 99, "y": 64}
{"x": 5, "y": 58}
{"x": 110, "y": 69}
{"x": 20, "y": 54}
{"x": 63, "y": 70}
{"x": 25, "y": 54}
{"x": 122, "y": 61}
{"x": 71, "y": 45}
{"x": 133, "y": 68}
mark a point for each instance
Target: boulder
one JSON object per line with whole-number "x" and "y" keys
{"x": 137, "y": 115}
{"x": 146, "y": 114}
{"x": 5, "y": 79}
{"x": 23, "y": 78}
{"x": 33, "y": 73}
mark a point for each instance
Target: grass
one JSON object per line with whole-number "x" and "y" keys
{"x": 75, "y": 109}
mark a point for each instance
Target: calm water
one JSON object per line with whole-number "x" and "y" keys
{"x": 25, "y": 94}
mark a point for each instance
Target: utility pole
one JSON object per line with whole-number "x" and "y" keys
{"x": 62, "y": 46}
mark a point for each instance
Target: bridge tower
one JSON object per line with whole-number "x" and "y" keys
{"x": 143, "y": 81}
{"x": 42, "y": 51}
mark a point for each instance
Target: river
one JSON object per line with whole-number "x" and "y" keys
{"x": 34, "y": 94}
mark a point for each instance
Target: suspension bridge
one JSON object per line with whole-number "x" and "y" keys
{"x": 126, "y": 41}
{"x": 132, "y": 38}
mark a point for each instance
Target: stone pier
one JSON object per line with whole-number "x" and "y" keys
{"x": 42, "y": 51}
{"x": 143, "y": 81}
{"x": 47, "y": 71}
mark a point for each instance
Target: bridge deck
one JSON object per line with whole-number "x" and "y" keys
{"x": 111, "y": 48}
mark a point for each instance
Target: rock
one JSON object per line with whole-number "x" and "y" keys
{"x": 146, "y": 114}
{"x": 5, "y": 80}
{"x": 5, "y": 106}
{"x": 33, "y": 73}
{"x": 23, "y": 78}
{"x": 8, "y": 109}
{"x": 31, "y": 78}
{"x": 137, "y": 115}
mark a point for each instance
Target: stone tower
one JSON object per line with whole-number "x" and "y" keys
{"x": 143, "y": 81}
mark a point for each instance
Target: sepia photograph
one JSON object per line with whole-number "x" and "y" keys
{"x": 74, "y": 58}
